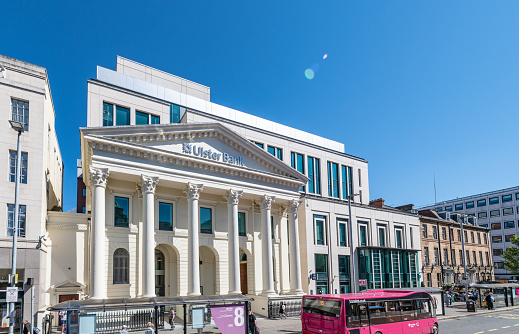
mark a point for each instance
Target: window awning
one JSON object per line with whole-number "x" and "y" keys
{"x": 132, "y": 303}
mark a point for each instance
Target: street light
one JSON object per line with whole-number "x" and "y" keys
{"x": 352, "y": 252}
{"x": 18, "y": 127}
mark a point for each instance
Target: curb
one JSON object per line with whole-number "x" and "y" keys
{"x": 503, "y": 309}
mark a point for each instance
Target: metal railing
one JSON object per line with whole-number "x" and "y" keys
{"x": 112, "y": 321}
{"x": 292, "y": 307}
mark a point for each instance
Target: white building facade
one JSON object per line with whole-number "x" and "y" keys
{"x": 188, "y": 197}
{"x": 497, "y": 210}
{"x": 25, "y": 96}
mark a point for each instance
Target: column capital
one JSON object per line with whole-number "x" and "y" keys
{"x": 233, "y": 196}
{"x": 293, "y": 205}
{"x": 266, "y": 202}
{"x": 98, "y": 176}
{"x": 148, "y": 183}
{"x": 193, "y": 190}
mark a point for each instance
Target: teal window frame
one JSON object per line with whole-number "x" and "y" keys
{"x": 458, "y": 207}
{"x": 108, "y": 114}
{"x": 381, "y": 234}
{"x": 121, "y": 211}
{"x": 297, "y": 162}
{"x": 363, "y": 234}
{"x": 314, "y": 174}
{"x": 493, "y": 200}
{"x": 122, "y": 115}
{"x": 206, "y": 220}
{"x": 165, "y": 216}
{"x": 342, "y": 225}
{"x": 333, "y": 179}
{"x": 481, "y": 202}
{"x": 242, "y": 224}
{"x": 506, "y": 198}
{"x": 469, "y": 205}
{"x": 319, "y": 232}
{"x": 174, "y": 113}
{"x": 347, "y": 183}
{"x": 260, "y": 145}
{"x": 275, "y": 151}
{"x": 448, "y": 208}
{"x": 399, "y": 237}
{"x": 142, "y": 118}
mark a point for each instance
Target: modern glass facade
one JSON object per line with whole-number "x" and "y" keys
{"x": 388, "y": 268}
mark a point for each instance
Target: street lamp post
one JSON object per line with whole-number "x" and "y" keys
{"x": 352, "y": 248}
{"x": 18, "y": 127}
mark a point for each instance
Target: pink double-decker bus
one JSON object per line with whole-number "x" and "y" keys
{"x": 370, "y": 312}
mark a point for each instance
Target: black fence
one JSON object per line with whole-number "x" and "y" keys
{"x": 112, "y": 321}
{"x": 292, "y": 308}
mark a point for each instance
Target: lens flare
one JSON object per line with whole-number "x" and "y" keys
{"x": 325, "y": 56}
{"x": 309, "y": 73}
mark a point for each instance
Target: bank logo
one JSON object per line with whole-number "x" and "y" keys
{"x": 199, "y": 151}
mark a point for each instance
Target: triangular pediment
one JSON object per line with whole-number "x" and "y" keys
{"x": 212, "y": 145}
{"x": 69, "y": 284}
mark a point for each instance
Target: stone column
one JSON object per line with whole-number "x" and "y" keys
{"x": 148, "y": 185}
{"x": 266, "y": 237}
{"x": 296, "y": 286}
{"x": 193, "y": 266}
{"x": 98, "y": 179}
{"x": 232, "y": 198}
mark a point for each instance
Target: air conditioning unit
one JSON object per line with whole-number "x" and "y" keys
{"x": 444, "y": 215}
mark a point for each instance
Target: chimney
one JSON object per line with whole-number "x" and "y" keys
{"x": 377, "y": 202}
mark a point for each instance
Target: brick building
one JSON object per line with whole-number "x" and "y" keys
{"x": 442, "y": 251}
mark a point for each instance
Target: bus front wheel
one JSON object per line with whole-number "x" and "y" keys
{"x": 435, "y": 329}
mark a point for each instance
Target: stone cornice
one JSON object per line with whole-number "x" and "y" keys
{"x": 129, "y": 146}
{"x": 65, "y": 226}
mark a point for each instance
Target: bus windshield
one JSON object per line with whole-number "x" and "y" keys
{"x": 326, "y": 307}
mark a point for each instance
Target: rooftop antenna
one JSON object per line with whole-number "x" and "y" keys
{"x": 434, "y": 187}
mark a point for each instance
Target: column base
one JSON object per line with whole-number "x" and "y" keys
{"x": 296, "y": 292}
{"x": 149, "y": 296}
{"x": 269, "y": 293}
{"x": 234, "y": 292}
{"x": 194, "y": 294}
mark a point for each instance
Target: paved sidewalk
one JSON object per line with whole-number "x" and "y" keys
{"x": 459, "y": 310}
{"x": 291, "y": 325}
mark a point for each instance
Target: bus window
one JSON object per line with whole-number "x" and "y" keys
{"x": 423, "y": 309}
{"x": 408, "y": 308}
{"x": 363, "y": 313}
{"x": 377, "y": 313}
{"x": 393, "y": 312}
{"x": 353, "y": 320}
{"x": 326, "y": 307}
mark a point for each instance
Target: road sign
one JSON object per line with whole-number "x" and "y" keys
{"x": 11, "y": 295}
{"x": 313, "y": 277}
{"x": 362, "y": 282}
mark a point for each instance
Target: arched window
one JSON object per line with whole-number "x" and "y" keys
{"x": 121, "y": 266}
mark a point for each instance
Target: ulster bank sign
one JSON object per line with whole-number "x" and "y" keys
{"x": 199, "y": 151}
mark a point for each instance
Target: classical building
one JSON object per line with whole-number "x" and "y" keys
{"x": 497, "y": 210}
{"x": 442, "y": 250}
{"x": 25, "y": 97}
{"x": 187, "y": 197}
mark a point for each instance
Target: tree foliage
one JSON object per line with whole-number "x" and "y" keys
{"x": 511, "y": 257}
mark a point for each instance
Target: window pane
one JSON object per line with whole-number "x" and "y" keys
{"x": 342, "y": 234}
{"x": 497, "y": 239}
{"x": 12, "y": 166}
{"x": 311, "y": 176}
{"x": 319, "y": 232}
{"x": 482, "y": 202}
{"x": 382, "y": 237}
{"x": 363, "y": 230}
{"x": 20, "y": 112}
{"x": 482, "y": 214}
{"x": 140, "y": 118}
{"x": 122, "y": 116}
{"x": 121, "y": 266}
{"x": 493, "y": 200}
{"x": 271, "y": 150}
{"x": 165, "y": 216}
{"x": 509, "y": 224}
{"x": 508, "y": 211}
{"x": 121, "y": 209}
{"x": 241, "y": 224}
{"x": 279, "y": 154}
{"x": 495, "y": 213}
{"x": 321, "y": 263}
{"x": 108, "y": 114}
{"x": 174, "y": 113}
{"x": 458, "y": 207}
{"x": 206, "y": 220}
{"x": 469, "y": 205}
{"x": 398, "y": 235}
{"x": 155, "y": 119}
{"x": 259, "y": 144}
{"x": 21, "y": 220}
{"x": 448, "y": 208}
{"x": 506, "y": 198}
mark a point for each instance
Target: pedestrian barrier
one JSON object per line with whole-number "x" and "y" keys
{"x": 292, "y": 307}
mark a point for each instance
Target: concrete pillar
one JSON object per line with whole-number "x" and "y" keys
{"x": 232, "y": 198}
{"x": 193, "y": 266}
{"x": 266, "y": 238}
{"x": 148, "y": 185}
{"x": 296, "y": 287}
{"x": 98, "y": 180}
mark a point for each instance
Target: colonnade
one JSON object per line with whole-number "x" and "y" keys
{"x": 98, "y": 181}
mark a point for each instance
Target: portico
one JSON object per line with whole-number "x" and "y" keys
{"x": 200, "y": 190}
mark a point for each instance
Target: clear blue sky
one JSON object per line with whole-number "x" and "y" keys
{"x": 417, "y": 88}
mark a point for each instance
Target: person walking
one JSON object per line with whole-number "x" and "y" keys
{"x": 26, "y": 327}
{"x": 150, "y": 328}
{"x": 489, "y": 299}
{"x": 253, "y": 326}
{"x": 123, "y": 330}
{"x": 282, "y": 313}
{"x": 172, "y": 315}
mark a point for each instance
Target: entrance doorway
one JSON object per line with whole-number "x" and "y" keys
{"x": 66, "y": 298}
{"x": 160, "y": 277}
{"x": 243, "y": 274}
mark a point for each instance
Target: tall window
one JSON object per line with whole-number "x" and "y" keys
{"x": 241, "y": 224}
{"x": 426, "y": 255}
{"x": 363, "y": 234}
{"x": 479, "y": 238}
{"x": 485, "y": 240}
{"x": 344, "y": 274}
{"x": 399, "y": 237}
{"x": 165, "y": 216}
{"x": 275, "y": 151}
{"x": 121, "y": 210}
{"x": 206, "y": 220}
{"x": 12, "y": 166}
{"x": 487, "y": 258}
{"x": 459, "y": 235}
{"x": 453, "y": 257}
{"x": 347, "y": 183}
{"x": 424, "y": 231}
{"x": 435, "y": 232}
{"x": 121, "y": 266}
{"x": 22, "y": 209}
{"x": 474, "y": 257}
{"x": 272, "y": 231}
{"x": 319, "y": 230}
{"x": 314, "y": 174}
{"x": 298, "y": 163}
{"x": 381, "y": 235}
{"x": 467, "y": 254}
{"x": 175, "y": 112}
{"x": 342, "y": 232}
{"x": 145, "y": 118}
{"x": 20, "y": 112}
{"x": 461, "y": 256}
{"x": 333, "y": 180}
{"x": 321, "y": 269}
{"x": 122, "y": 115}
{"x": 472, "y": 237}
{"x": 436, "y": 257}
{"x": 108, "y": 114}
{"x": 480, "y": 258}
{"x": 465, "y": 234}
{"x": 445, "y": 256}
{"x": 444, "y": 233}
